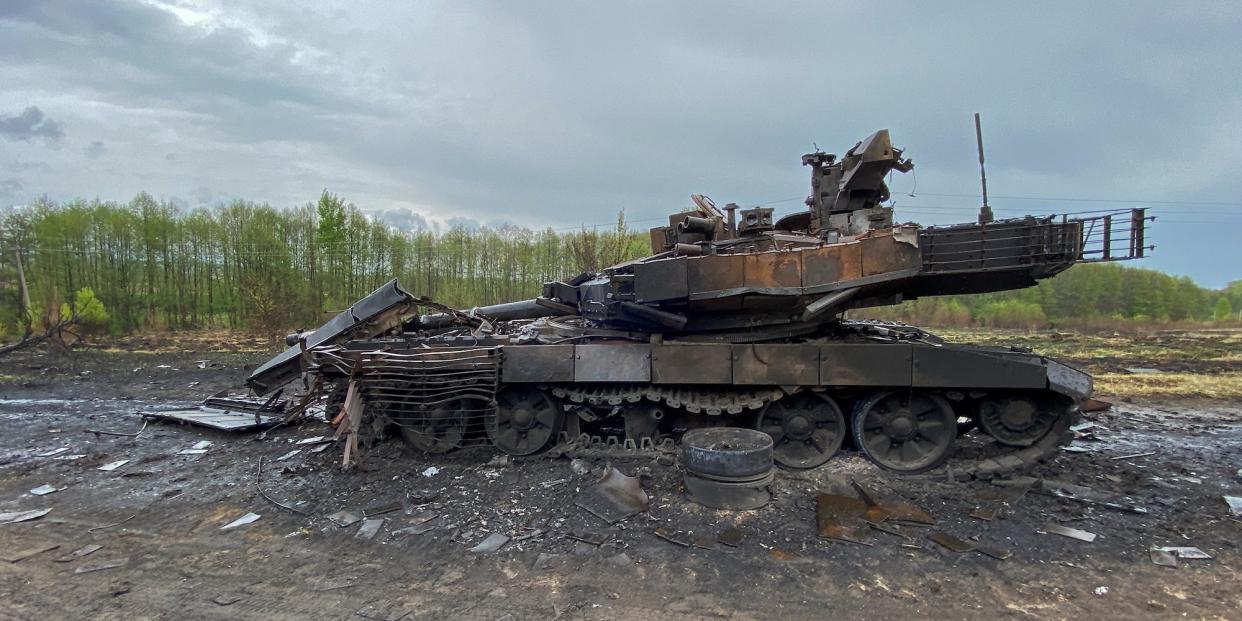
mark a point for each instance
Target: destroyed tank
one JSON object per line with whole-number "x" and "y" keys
{"x": 739, "y": 319}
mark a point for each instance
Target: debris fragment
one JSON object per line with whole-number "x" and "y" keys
{"x": 614, "y": 497}
{"x": 45, "y": 489}
{"x": 1134, "y": 455}
{"x": 370, "y": 528}
{"x": 345, "y": 518}
{"x": 417, "y": 529}
{"x": 200, "y": 445}
{"x": 1185, "y": 552}
{"x": 288, "y": 455}
{"x": 788, "y": 557}
{"x": 29, "y": 552}
{"x": 313, "y": 440}
{"x": 986, "y": 512}
{"x": 100, "y": 565}
{"x": 241, "y": 521}
{"x": 580, "y": 466}
{"x": 1163, "y": 558}
{"x": 678, "y": 537}
{"x": 1072, "y": 533}
{"x": 1082, "y": 493}
{"x": 80, "y": 552}
{"x": 383, "y": 611}
{"x": 431, "y": 472}
{"x": 592, "y": 538}
{"x": 1101, "y": 590}
{"x": 950, "y": 542}
{"x": 841, "y": 518}
{"x": 23, "y": 516}
{"x": 381, "y": 510}
{"x": 109, "y": 467}
{"x": 1235, "y": 504}
{"x": 493, "y": 543}
{"x": 53, "y": 452}
{"x": 322, "y": 447}
{"x": 731, "y": 537}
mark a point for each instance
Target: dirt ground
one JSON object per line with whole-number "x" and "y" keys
{"x": 162, "y": 513}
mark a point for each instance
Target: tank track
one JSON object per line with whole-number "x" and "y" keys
{"x": 692, "y": 400}
{"x": 967, "y": 462}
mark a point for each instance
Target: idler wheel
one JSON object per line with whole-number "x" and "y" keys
{"x": 441, "y": 429}
{"x": 726, "y": 453}
{"x": 526, "y": 420}
{"x": 807, "y": 429}
{"x": 1015, "y": 421}
{"x": 905, "y": 431}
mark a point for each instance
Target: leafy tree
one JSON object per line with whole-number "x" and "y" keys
{"x": 1223, "y": 310}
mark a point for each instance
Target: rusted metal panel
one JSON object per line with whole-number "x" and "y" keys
{"x": 664, "y": 279}
{"x": 612, "y": 363}
{"x": 865, "y": 364}
{"x": 769, "y": 270}
{"x": 883, "y": 254}
{"x": 692, "y": 364}
{"x": 537, "y": 363}
{"x": 715, "y": 273}
{"x": 963, "y": 368}
{"x": 830, "y": 264}
{"x": 775, "y": 364}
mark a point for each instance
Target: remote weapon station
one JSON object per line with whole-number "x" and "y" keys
{"x": 736, "y": 318}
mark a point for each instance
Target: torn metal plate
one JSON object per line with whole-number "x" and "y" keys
{"x": 369, "y": 528}
{"x": 22, "y": 516}
{"x": 241, "y": 521}
{"x": 1185, "y": 552}
{"x": 950, "y": 542}
{"x": 216, "y": 418}
{"x": 100, "y": 565}
{"x": 493, "y": 543}
{"x": 732, "y": 537}
{"x": 345, "y": 518}
{"x": 614, "y": 498}
{"x": 1163, "y": 558}
{"x": 1072, "y": 533}
{"x": 80, "y": 552}
{"x": 22, "y": 555}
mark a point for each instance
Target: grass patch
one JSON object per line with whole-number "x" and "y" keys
{"x": 1219, "y": 386}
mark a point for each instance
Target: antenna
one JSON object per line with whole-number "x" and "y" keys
{"x": 985, "y": 212}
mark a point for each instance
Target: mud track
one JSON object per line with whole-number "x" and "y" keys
{"x": 292, "y": 566}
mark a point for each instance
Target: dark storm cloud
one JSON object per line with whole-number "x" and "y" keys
{"x": 30, "y": 124}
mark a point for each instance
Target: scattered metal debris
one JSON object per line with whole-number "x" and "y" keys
{"x": 1082, "y": 493}
{"x": 289, "y": 455}
{"x": 107, "y": 526}
{"x": 85, "y": 550}
{"x": 614, "y": 497}
{"x": 950, "y": 542}
{"x": 191, "y": 451}
{"x": 417, "y": 529}
{"x": 1185, "y": 552}
{"x": 1163, "y": 558}
{"x": 592, "y": 538}
{"x": 109, "y": 467}
{"x": 374, "y": 511}
{"x": 241, "y": 521}
{"x": 23, "y": 516}
{"x": 841, "y": 518}
{"x": 493, "y": 543}
{"x": 216, "y": 418}
{"x": 53, "y": 452}
{"x": 1134, "y": 455}
{"x": 45, "y": 489}
{"x": 370, "y": 528}
{"x": 22, "y": 555}
{"x": 987, "y": 512}
{"x": 258, "y": 485}
{"x": 101, "y": 565}
{"x": 732, "y": 537}
{"x": 383, "y": 611}
{"x": 313, "y": 440}
{"x": 1235, "y": 504}
{"x": 101, "y": 432}
{"x": 678, "y": 537}
{"x": 431, "y": 471}
{"x": 1072, "y": 533}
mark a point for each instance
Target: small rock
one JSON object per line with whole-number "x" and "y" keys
{"x": 580, "y": 466}
{"x": 1101, "y": 590}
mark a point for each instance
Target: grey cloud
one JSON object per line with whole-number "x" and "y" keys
{"x": 404, "y": 219}
{"x": 30, "y": 124}
{"x": 95, "y": 149}
{"x": 10, "y": 188}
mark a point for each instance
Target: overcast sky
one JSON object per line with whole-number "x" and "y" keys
{"x": 561, "y": 114}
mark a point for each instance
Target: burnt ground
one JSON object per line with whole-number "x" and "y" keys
{"x": 179, "y": 564}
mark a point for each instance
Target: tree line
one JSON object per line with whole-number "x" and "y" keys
{"x": 148, "y": 265}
